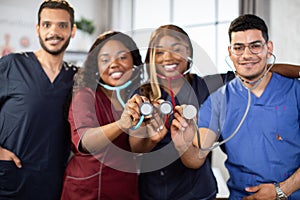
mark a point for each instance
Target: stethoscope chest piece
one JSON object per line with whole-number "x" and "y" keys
{"x": 166, "y": 107}
{"x": 189, "y": 112}
{"x": 146, "y": 109}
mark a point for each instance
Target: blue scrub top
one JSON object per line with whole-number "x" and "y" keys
{"x": 266, "y": 149}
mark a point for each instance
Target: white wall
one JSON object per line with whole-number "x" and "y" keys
{"x": 18, "y": 18}
{"x": 18, "y": 21}
{"x": 16, "y": 15}
{"x": 285, "y": 29}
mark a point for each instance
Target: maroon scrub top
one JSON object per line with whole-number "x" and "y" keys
{"x": 109, "y": 174}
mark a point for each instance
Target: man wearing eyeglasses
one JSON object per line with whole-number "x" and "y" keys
{"x": 34, "y": 89}
{"x": 256, "y": 118}
{"x": 264, "y": 155}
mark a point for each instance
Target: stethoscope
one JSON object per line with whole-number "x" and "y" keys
{"x": 147, "y": 109}
{"x": 166, "y": 107}
{"x": 120, "y": 87}
{"x": 217, "y": 143}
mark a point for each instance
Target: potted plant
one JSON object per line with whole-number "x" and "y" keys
{"x": 85, "y": 25}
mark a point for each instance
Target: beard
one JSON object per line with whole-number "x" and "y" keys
{"x": 256, "y": 76}
{"x": 56, "y": 52}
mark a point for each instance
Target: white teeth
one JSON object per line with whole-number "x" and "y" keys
{"x": 116, "y": 74}
{"x": 170, "y": 66}
{"x": 55, "y": 41}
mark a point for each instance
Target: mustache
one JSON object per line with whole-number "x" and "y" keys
{"x": 54, "y": 38}
{"x": 250, "y": 59}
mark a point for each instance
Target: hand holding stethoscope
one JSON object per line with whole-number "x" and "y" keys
{"x": 183, "y": 127}
{"x": 149, "y": 117}
{"x": 131, "y": 114}
{"x": 185, "y": 131}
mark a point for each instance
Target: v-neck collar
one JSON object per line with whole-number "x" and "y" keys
{"x": 56, "y": 79}
{"x": 264, "y": 96}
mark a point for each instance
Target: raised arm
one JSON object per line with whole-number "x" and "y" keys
{"x": 151, "y": 132}
{"x": 90, "y": 134}
{"x": 94, "y": 139}
{"x": 185, "y": 138}
{"x": 147, "y": 137}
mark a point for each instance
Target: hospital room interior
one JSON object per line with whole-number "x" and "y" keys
{"x": 206, "y": 22}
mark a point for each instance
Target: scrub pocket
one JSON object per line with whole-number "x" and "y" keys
{"x": 74, "y": 187}
{"x": 11, "y": 178}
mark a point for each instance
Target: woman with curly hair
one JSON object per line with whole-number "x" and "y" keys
{"x": 102, "y": 165}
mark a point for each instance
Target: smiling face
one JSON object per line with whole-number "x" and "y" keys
{"x": 171, "y": 56}
{"x": 115, "y": 63}
{"x": 54, "y": 30}
{"x": 250, "y": 65}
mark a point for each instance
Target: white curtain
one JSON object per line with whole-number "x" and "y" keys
{"x": 260, "y": 8}
{"x": 247, "y": 7}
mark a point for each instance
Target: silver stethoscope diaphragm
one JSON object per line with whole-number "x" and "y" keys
{"x": 166, "y": 107}
{"x": 146, "y": 109}
{"x": 189, "y": 112}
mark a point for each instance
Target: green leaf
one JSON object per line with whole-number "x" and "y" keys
{"x": 85, "y": 25}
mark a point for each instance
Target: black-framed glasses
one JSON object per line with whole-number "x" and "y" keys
{"x": 254, "y": 48}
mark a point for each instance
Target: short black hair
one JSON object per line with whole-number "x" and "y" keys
{"x": 247, "y": 22}
{"x": 57, "y": 4}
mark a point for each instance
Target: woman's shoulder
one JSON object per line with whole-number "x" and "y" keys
{"x": 83, "y": 91}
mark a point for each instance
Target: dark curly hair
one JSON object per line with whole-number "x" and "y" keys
{"x": 87, "y": 75}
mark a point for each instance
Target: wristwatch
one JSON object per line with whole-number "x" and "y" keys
{"x": 279, "y": 194}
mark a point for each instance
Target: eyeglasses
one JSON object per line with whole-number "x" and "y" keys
{"x": 254, "y": 48}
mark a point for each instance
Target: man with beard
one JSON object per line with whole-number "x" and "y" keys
{"x": 256, "y": 116}
{"x": 34, "y": 92}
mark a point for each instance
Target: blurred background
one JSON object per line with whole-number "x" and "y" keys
{"x": 206, "y": 21}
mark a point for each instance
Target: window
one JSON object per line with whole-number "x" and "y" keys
{"x": 206, "y": 22}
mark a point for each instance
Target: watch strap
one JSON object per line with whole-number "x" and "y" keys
{"x": 280, "y": 195}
